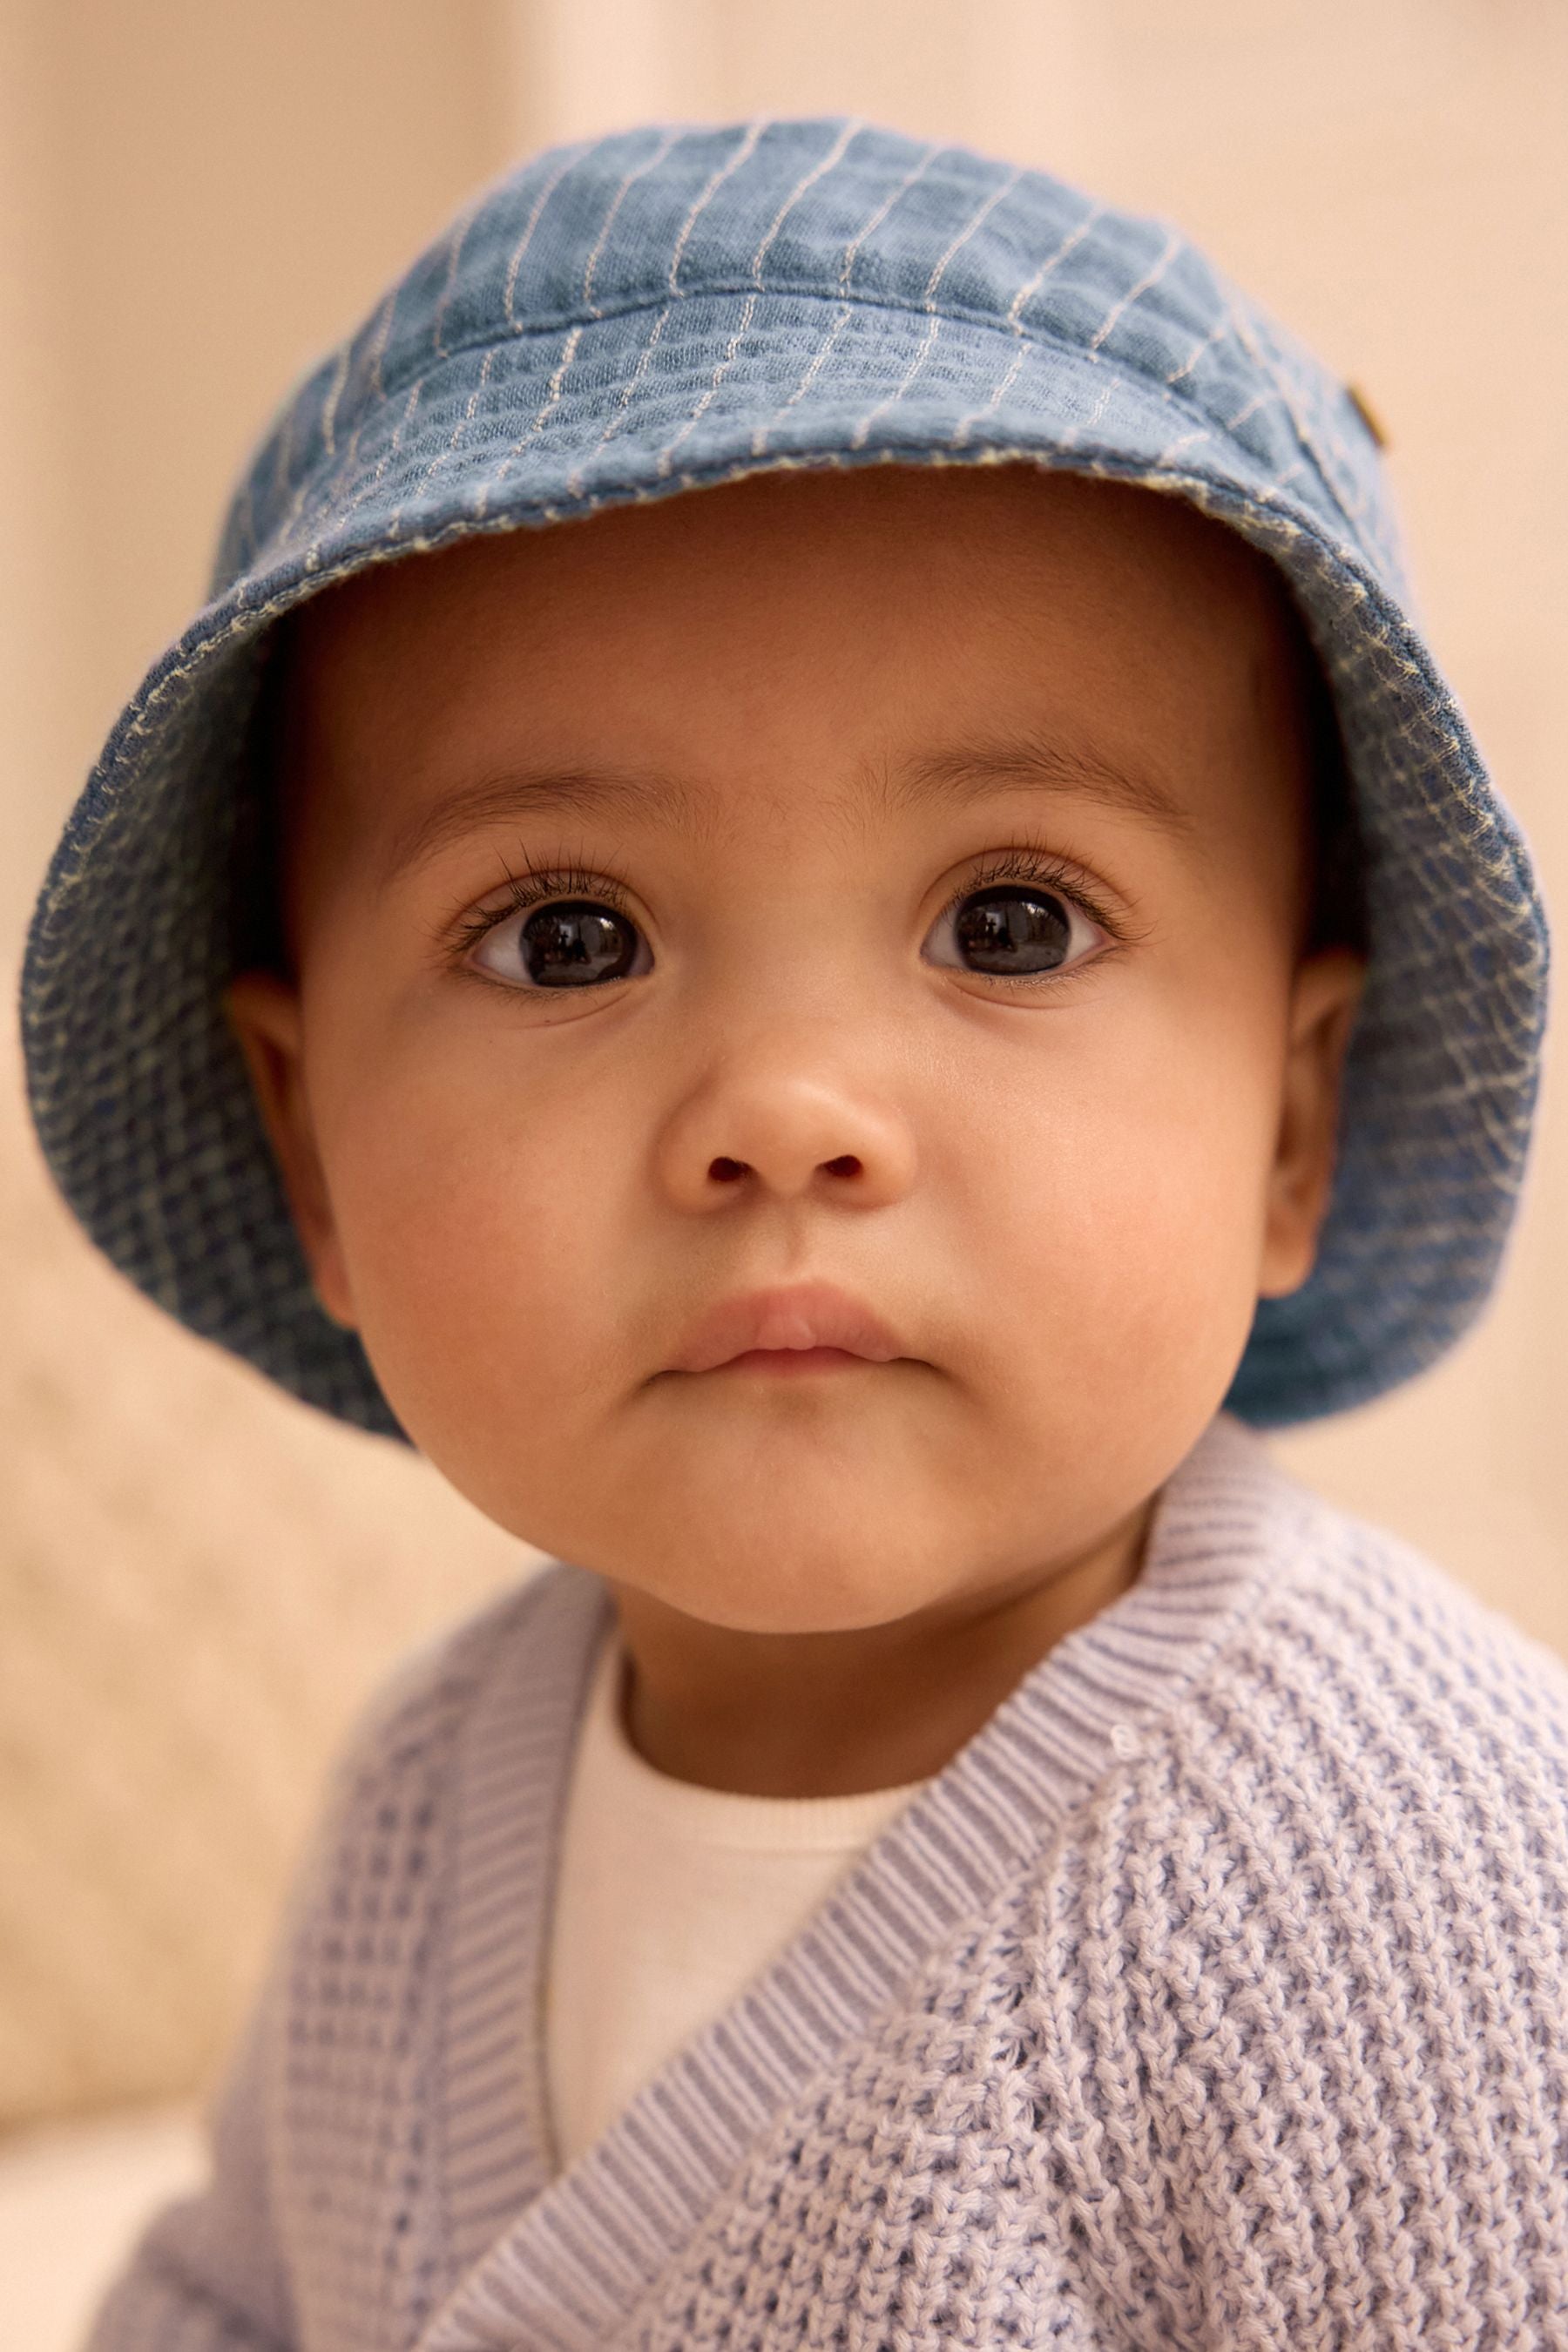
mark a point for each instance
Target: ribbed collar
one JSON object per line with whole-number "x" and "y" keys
{"x": 559, "y": 2264}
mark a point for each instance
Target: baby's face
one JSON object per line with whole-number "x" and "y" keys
{"x": 888, "y": 884}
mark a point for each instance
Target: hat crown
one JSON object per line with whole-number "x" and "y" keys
{"x": 831, "y": 211}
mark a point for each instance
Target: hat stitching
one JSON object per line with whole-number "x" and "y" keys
{"x": 1037, "y": 337}
{"x": 461, "y": 426}
{"x": 732, "y": 350}
{"x": 716, "y": 180}
{"x": 1150, "y": 278}
{"x": 1020, "y": 302}
{"x": 852, "y": 251}
{"x": 1311, "y": 434}
{"x": 1041, "y": 340}
{"x": 565, "y": 161}
{"x": 649, "y": 163}
{"x": 1216, "y": 334}
{"x": 819, "y": 171}
{"x": 455, "y": 240}
{"x": 329, "y": 406}
{"x": 814, "y": 368}
{"x": 1004, "y": 189}
{"x": 1351, "y": 504}
{"x": 379, "y": 340}
{"x": 1070, "y": 244}
{"x": 367, "y": 489}
{"x": 629, "y": 391}
{"x": 570, "y": 156}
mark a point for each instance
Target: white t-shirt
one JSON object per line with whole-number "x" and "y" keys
{"x": 668, "y": 1899}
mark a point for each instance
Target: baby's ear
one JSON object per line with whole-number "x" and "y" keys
{"x": 1323, "y": 1005}
{"x": 263, "y": 1011}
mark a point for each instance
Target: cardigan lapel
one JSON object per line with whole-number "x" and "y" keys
{"x": 577, "y": 2254}
{"x": 491, "y": 1915}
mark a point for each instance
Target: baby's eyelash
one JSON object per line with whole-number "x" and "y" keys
{"x": 532, "y": 886}
{"x": 1027, "y": 861}
{"x": 536, "y": 884}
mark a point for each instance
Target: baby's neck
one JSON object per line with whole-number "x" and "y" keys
{"x": 828, "y": 1714}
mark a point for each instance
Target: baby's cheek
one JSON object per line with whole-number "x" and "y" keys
{"x": 1126, "y": 1227}
{"x": 480, "y": 1264}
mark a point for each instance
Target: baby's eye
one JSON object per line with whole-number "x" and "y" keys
{"x": 1014, "y": 931}
{"x": 568, "y": 943}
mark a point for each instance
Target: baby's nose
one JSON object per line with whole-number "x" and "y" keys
{"x": 784, "y": 1134}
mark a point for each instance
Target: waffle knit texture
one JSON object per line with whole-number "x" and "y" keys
{"x": 1213, "y": 1995}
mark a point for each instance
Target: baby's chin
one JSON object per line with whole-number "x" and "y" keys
{"x": 798, "y": 1515}
{"x": 830, "y": 1509}
{"x": 825, "y": 1554}
{"x": 809, "y": 1591}
{"x": 822, "y": 1552}
{"x": 783, "y": 1566}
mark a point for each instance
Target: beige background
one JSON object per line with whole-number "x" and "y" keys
{"x": 199, "y": 1580}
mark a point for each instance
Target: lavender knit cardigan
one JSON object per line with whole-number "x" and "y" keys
{"x": 1215, "y": 1995}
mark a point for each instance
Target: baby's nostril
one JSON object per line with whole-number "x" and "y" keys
{"x": 845, "y": 1165}
{"x": 726, "y": 1170}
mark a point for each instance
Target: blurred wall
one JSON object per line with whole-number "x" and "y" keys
{"x": 199, "y": 1580}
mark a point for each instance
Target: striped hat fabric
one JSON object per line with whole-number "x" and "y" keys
{"x": 672, "y": 307}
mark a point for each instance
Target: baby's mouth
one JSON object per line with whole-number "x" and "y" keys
{"x": 810, "y": 1326}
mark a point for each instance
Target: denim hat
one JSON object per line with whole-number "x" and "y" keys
{"x": 666, "y": 308}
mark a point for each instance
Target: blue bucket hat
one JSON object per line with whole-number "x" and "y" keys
{"x": 670, "y": 308}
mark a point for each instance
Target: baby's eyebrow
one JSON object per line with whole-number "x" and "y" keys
{"x": 970, "y": 771}
{"x": 522, "y": 793}
{"x": 962, "y": 772}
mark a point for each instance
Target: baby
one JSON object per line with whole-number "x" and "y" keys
{"x": 807, "y": 906}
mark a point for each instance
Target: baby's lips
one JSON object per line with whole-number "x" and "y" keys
{"x": 803, "y": 1315}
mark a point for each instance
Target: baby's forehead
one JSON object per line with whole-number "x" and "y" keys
{"x": 796, "y": 664}
{"x": 915, "y": 582}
